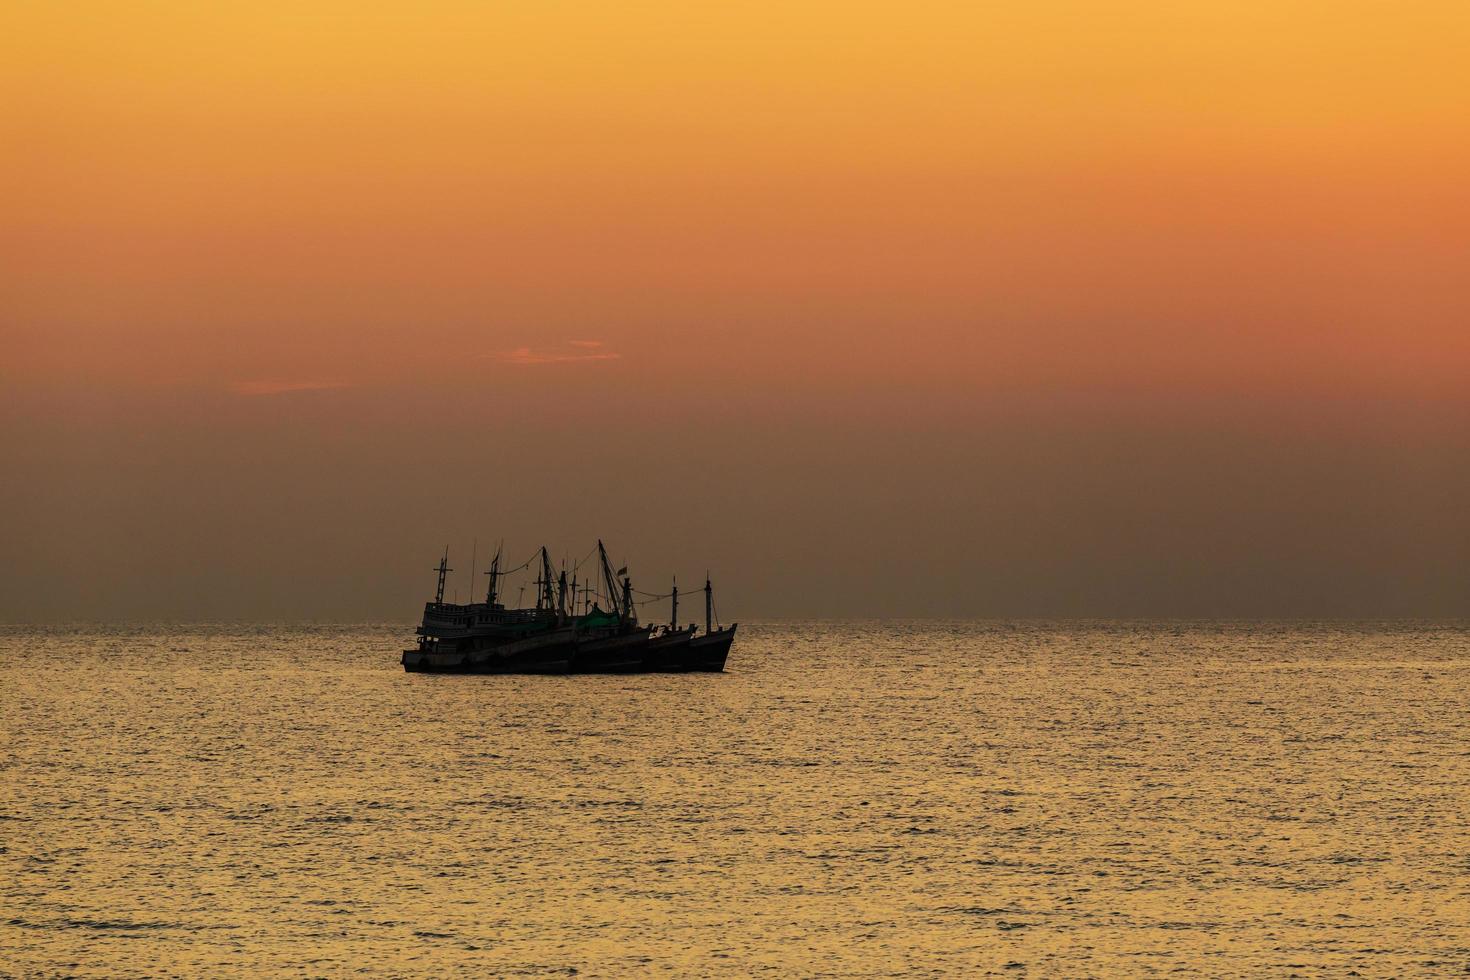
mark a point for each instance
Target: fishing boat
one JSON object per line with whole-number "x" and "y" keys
{"x": 553, "y": 637}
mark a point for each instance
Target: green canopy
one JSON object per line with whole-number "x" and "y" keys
{"x": 597, "y": 618}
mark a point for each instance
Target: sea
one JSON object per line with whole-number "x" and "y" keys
{"x": 859, "y": 799}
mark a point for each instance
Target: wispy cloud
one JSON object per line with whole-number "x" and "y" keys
{"x": 266, "y": 387}
{"x": 573, "y": 351}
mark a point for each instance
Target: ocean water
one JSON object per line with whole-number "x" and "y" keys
{"x": 849, "y": 800}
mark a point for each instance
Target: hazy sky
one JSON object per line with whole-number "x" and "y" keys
{"x": 1068, "y": 308}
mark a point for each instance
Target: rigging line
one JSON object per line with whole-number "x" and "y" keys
{"x": 524, "y": 564}
{"x": 584, "y": 560}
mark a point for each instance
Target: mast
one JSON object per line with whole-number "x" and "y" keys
{"x": 628, "y": 598}
{"x": 607, "y": 577}
{"x": 474, "y": 560}
{"x": 674, "y": 611}
{"x": 545, "y": 599}
{"x": 444, "y": 570}
{"x": 561, "y": 595}
{"x": 709, "y": 604}
{"x": 494, "y": 573}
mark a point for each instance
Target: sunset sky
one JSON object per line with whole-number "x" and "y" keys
{"x": 1137, "y": 308}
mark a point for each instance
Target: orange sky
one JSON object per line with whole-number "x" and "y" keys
{"x": 831, "y": 209}
{"x": 1161, "y": 192}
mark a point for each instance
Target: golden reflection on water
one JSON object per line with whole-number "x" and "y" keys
{"x": 851, "y": 800}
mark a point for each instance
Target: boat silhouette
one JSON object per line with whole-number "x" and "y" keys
{"x": 552, "y": 637}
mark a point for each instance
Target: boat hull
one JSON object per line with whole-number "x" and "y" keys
{"x": 668, "y": 652}
{"x": 545, "y": 653}
{"x": 621, "y": 653}
{"x": 709, "y": 652}
{"x": 562, "y": 651}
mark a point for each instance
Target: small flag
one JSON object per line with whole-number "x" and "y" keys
{"x": 623, "y": 570}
